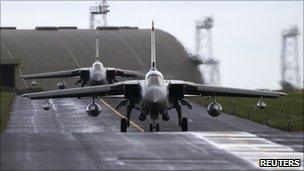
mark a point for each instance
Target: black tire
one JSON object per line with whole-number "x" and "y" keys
{"x": 184, "y": 124}
{"x": 151, "y": 127}
{"x": 157, "y": 127}
{"x": 128, "y": 123}
{"x": 123, "y": 125}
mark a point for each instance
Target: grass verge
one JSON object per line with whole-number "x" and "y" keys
{"x": 285, "y": 113}
{"x": 7, "y": 99}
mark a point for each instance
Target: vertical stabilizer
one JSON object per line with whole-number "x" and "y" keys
{"x": 97, "y": 46}
{"x": 153, "y": 57}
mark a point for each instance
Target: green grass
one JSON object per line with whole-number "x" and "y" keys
{"x": 280, "y": 112}
{"x": 7, "y": 99}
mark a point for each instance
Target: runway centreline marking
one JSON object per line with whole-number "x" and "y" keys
{"x": 122, "y": 116}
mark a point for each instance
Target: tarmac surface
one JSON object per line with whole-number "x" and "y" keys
{"x": 66, "y": 138}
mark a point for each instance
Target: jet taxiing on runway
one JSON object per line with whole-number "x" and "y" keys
{"x": 154, "y": 95}
{"x": 95, "y": 75}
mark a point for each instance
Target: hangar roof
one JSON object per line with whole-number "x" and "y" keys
{"x": 54, "y": 50}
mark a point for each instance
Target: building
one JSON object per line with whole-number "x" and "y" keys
{"x": 47, "y": 49}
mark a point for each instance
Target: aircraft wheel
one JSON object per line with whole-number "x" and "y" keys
{"x": 123, "y": 125}
{"x": 151, "y": 127}
{"x": 157, "y": 127}
{"x": 184, "y": 124}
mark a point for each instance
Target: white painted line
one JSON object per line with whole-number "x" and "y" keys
{"x": 251, "y": 147}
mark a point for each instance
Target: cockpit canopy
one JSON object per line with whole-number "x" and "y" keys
{"x": 154, "y": 78}
{"x": 97, "y": 66}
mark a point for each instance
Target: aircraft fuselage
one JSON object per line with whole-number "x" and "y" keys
{"x": 98, "y": 74}
{"x": 154, "y": 95}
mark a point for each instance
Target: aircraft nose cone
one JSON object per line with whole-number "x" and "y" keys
{"x": 154, "y": 97}
{"x": 98, "y": 77}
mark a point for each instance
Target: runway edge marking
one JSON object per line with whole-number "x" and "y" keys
{"x": 122, "y": 116}
{"x": 251, "y": 147}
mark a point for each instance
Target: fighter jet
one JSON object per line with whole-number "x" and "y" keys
{"x": 260, "y": 105}
{"x": 154, "y": 95}
{"x": 97, "y": 74}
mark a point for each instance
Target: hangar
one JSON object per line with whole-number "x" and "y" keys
{"x": 46, "y": 49}
{"x": 8, "y": 72}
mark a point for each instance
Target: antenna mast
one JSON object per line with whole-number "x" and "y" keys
{"x": 290, "y": 73}
{"x": 99, "y": 9}
{"x": 209, "y": 67}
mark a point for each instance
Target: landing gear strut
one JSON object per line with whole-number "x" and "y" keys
{"x": 182, "y": 121}
{"x": 155, "y": 126}
{"x": 123, "y": 125}
{"x": 125, "y": 122}
{"x": 130, "y": 106}
{"x": 184, "y": 124}
{"x": 178, "y": 109}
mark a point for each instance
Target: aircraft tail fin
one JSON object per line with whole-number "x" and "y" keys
{"x": 97, "y": 46}
{"x": 153, "y": 53}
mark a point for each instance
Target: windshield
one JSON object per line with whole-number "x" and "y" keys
{"x": 97, "y": 67}
{"x": 154, "y": 80}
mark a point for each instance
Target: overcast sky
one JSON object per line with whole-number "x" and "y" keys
{"x": 246, "y": 34}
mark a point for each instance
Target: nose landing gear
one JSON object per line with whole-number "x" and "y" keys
{"x": 154, "y": 126}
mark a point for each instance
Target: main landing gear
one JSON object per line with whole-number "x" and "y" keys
{"x": 154, "y": 126}
{"x": 125, "y": 122}
{"x": 123, "y": 125}
{"x": 184, "y": 124}
{"x": 182, "y": 121}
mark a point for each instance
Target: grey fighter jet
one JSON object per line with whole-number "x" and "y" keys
{"x": 97, "y": 74}
{"x": 154, "y": 95}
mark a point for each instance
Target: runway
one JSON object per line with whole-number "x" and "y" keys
{"x": 66, "y": 138}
